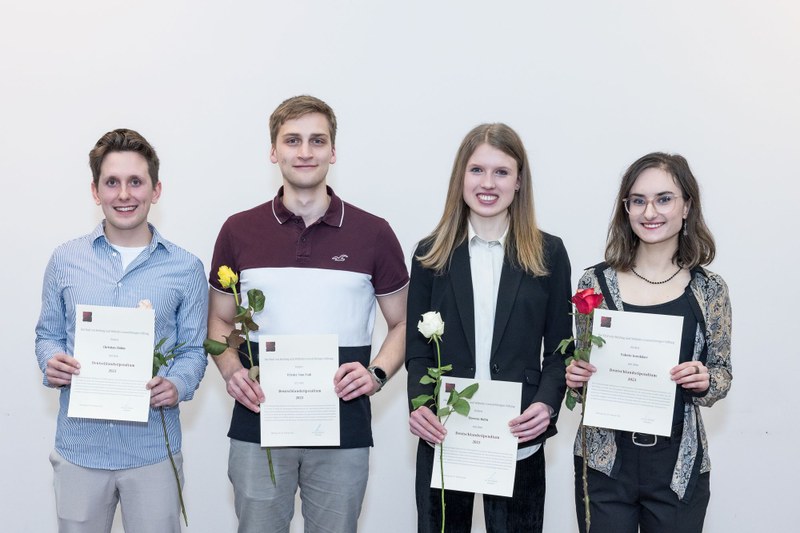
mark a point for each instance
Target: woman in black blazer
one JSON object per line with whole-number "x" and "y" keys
{"x": 502, "y": 287}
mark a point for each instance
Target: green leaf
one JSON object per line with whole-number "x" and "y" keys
{"x": 568, "y": 360}
{"x": 160, "y": 344}
{"x": 214, "y": 347}
{"x": 461, "y": 407}
{"x": 433, "y": 372}
{"x": 443, "y": 411}
{"x": 597, "y": 341}
{"x": 564, "y": 344}
{"x": 241, "y": 312}
{"x": 470, "y": 391}
{"x": 420, "y": 400}
{"x": 235, "y": 339}
{"x": 447, "y": 368}
{"x": 453, "y": 397}
{"x": 427, "y": 380}
{"x": 570, "y": 402}
{"x": 582, "y": 354}
{"x": 256, "y": 299}
{"x": 253, "y": 373}
{"x": 249, "y": 324}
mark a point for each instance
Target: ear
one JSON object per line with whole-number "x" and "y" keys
{"x": 156, "y": 193}
{"x": 333, "y": 155}
{"x": 272, "y": 155}
{"x": 518, "y": 185}
{"x": 686, "y": 206}
{"x": 94, "y": 194}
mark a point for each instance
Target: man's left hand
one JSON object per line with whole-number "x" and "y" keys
{"x": 353, "y": 380}
{"x": 163, "y": 392}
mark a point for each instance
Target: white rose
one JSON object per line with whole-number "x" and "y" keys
{"x": 431, "y": 325}
{"x": 144, "y": 304}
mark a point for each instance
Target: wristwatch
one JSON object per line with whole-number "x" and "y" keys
{"x": 379, "y": 375}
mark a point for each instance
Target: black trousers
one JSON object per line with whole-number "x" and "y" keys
{"x": 640, "y": 496}
{"x": 523, "y": 512}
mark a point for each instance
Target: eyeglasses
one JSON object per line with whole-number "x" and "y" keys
{"x": 662, "y": 203}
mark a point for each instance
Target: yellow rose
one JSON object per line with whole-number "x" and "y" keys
{"x": 227, "y": 277}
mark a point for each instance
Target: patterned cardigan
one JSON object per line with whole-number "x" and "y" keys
{"x": 712, "y": 343}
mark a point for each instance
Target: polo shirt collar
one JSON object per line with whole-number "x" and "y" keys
{"x": 334, "y": 216}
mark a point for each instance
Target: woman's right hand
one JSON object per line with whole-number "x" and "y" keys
{"x": 578, "y": 373}
{"x": 425, "y": 425}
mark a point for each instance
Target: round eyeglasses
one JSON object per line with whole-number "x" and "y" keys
{"x": 663, "y": 203}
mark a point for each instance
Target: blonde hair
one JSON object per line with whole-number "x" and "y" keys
{"x": 524, "y": 243}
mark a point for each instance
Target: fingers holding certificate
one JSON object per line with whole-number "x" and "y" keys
{"x": 480, "y": 451}
{"x": 632, "y": 389}
{"x": 115, "y": 345}
{"x": 300, "y": 406}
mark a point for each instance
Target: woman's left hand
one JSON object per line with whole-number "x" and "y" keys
{"x": 692, "y": 375}
{"x": 532, "y": 422}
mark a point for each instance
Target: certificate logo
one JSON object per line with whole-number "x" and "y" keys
{"x": 87, "y": 316}
{"x": 449, "y": 387}
{"x": 605, "y": 321}
{"x": 270, "y": 346}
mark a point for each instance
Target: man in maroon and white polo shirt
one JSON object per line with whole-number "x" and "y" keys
{"x": 322, "y": 265}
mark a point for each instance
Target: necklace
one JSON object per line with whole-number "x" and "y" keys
{"x": 656, "y": 282}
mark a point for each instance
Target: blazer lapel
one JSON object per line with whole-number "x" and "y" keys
{"x": 461, "y": 280}
{"x": 510, "y": 278}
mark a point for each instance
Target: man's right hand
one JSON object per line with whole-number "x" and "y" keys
{"x": 244, "y": 390}
{"x": 60, "y": 369}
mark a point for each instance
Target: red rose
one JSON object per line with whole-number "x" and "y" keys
{"x": 586, "y": 301}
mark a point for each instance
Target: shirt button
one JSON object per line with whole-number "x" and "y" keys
{"x": 111, "y": 424}
{"x": 119, "y": 284}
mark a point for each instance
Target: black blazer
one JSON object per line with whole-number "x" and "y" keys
{"x": 531, "y": 311}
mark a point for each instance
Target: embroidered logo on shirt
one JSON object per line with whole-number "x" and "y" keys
{"x": 339, "y": 258}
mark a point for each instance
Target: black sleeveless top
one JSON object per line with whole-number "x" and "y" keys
{"x": 681, "y": 306}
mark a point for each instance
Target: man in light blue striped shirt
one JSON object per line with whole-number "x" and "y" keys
{"x": 98, "y": 463}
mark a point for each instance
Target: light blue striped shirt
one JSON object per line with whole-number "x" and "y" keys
{"x": 89, "y": 271}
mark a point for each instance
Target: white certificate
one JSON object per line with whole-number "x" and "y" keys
{"x": 632, "y": 389}
{"x": 114, "y": 346}
{"x": 480, "y": 453}
{"x": 300, "y": 406}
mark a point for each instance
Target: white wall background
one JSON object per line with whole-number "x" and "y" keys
{"x": 590, "y": 86}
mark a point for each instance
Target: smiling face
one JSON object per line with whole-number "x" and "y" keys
{"x": 491, "y": 181}
{"x": 125, "y": 192}
{"x": 304, "y": 151}
{"x": 661, "y": 220}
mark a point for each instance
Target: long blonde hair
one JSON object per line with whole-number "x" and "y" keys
{"x": 524, "y": 244}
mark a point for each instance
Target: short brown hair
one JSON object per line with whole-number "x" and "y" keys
{"x": 123, "y": 140}
{"x": 296, "y": 107}
{"x": 695, "y": 245}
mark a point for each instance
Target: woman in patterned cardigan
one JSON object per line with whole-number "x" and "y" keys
{"x": 657, "y": 245}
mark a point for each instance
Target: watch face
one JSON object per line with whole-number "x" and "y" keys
{"x": 379, "y": 373}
